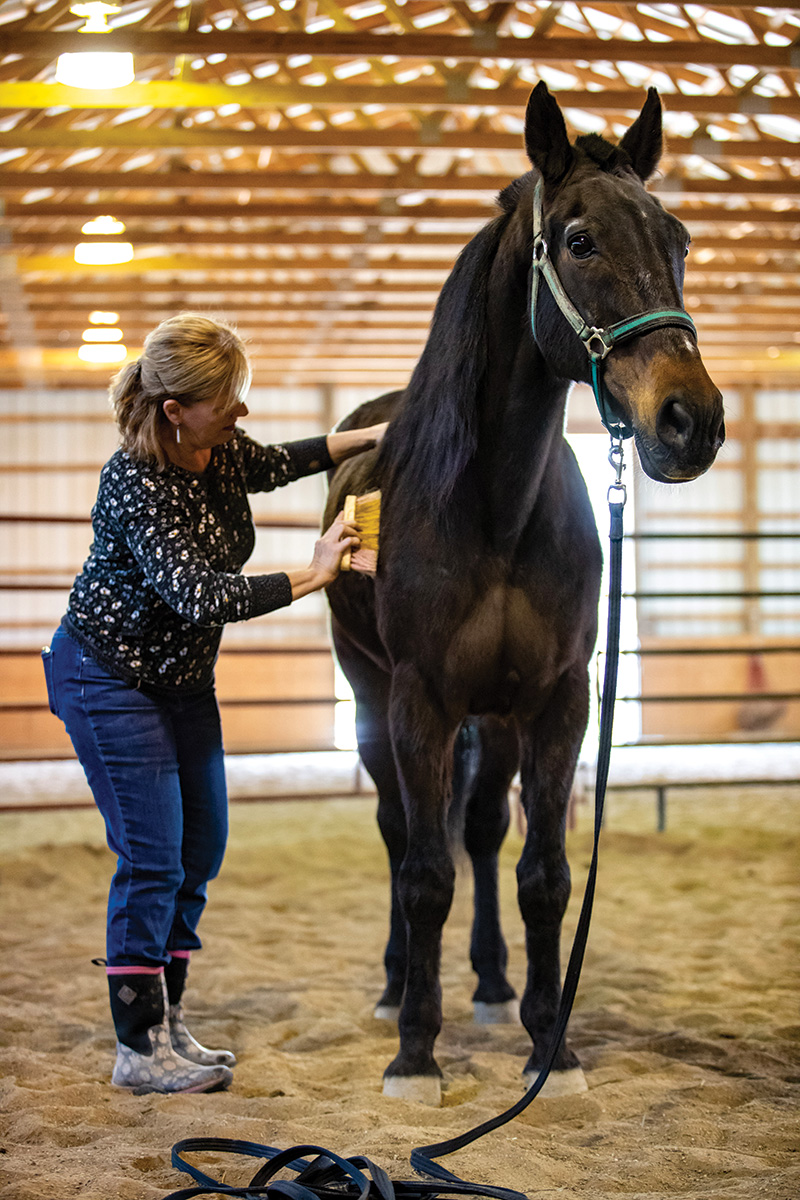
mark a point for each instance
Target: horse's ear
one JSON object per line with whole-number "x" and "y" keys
{"x": 546, "y": 136}
{"x": 644, "y": 141}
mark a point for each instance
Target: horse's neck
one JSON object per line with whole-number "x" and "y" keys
{"x": 520, "y": 438}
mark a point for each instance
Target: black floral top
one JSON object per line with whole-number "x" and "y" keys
{"x": 163, "y": 574}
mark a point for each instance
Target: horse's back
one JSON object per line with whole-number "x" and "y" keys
{"x": 373, "y": 412}
{"x": 358, "y": 475}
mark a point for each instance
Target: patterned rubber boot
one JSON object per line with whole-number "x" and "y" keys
{"x": 146, "y": 1061}
{"x": 182, "y": 1041}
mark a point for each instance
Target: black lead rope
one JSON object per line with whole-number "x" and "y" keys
{"x": 331, "y": 1177}
{"x": 422, "y": 1157}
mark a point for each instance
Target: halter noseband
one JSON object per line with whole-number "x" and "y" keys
{"x": 597, "y": 343}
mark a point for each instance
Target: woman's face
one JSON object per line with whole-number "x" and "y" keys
{"x": 209, "y": 423}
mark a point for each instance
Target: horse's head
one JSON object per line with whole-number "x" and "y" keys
{"x": 619, "y": 254}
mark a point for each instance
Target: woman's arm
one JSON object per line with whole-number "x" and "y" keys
{"x": 327, "y": 560}
{"x": 270, "y": 467}
{"x": 346, "y": 442}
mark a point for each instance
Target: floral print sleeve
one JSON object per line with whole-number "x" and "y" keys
{"x": 167, "y": 542}
{"x": 269, "y": 467}
{"x": 163, "y": 574}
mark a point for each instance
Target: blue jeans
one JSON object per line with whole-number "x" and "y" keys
{"x": 155, "y": 767}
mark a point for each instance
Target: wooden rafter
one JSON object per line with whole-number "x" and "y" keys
{"x": 315, "y": 184}
{"x": 419, "y": 138}
{"x": 258, "y": 43}
{"x": 453, "y": 95}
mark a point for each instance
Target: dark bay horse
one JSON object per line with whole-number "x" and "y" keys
{"x": 468, "y": 652}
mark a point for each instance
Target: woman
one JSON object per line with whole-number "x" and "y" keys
{"x": 130, "y": 670}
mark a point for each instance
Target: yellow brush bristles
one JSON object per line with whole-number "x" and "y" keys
{"x": 366, "y": 512}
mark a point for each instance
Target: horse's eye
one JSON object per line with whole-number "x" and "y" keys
{"x": 581, "y": 245}
{"x": 686, "y": 251}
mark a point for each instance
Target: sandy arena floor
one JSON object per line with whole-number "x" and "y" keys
{"x": 686, "y": 1019}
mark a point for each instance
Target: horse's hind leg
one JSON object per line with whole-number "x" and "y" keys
{"x": 487, "y": 755}
{"x": 550, "y": 748}
{"x": 423, "y": 749}
{"x": 371, "y": 688}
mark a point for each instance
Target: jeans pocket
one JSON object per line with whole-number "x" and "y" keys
{"x": 47, "y": 663}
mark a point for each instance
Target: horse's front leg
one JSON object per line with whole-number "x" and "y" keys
{"x": 422, "y": 739}
{"x": 550, "y": 748}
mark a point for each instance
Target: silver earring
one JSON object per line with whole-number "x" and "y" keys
{"x": 178, "y": 434}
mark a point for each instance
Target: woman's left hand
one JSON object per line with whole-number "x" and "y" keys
{"x": 344, "y": 443}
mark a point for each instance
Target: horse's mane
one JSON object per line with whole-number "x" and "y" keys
{"x": 435, "y": 434}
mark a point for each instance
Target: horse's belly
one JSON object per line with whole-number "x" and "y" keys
{"x": 505, "y": 655}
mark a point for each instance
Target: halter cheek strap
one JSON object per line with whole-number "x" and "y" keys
{"x": 598, "y": 343}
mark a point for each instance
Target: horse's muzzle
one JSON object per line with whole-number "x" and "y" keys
{"x": 688, "y": 434}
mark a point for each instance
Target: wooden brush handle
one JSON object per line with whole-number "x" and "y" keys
{"x": 349, "y": 516}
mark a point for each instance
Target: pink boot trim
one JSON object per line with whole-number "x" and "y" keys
{"x": 134, "y": 970}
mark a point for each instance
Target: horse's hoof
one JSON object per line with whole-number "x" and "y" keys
{"x": 423, "y": 1089}
{"x": 387, "y": 1012}
{"x": 506, "y": 1012}
{"x": 559, "y": 1083}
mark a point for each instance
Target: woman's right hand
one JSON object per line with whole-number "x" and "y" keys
{"x": 328, "y": 551}
{"x": 327, "y": 560}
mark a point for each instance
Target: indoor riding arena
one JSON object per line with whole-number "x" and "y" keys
{"x": 309, "y": 170}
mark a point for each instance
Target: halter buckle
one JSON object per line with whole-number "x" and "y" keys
{"x": 598, "y": 343}
{"x": 539, "y": 250}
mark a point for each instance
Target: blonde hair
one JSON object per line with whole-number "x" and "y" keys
{"x": 188, "y": 358}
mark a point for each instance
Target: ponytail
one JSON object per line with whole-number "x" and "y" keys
{"x": 139, "y": 417}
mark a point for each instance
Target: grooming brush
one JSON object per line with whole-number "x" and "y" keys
{"x": 366, "y": 512}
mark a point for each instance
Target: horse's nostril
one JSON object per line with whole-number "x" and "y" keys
{"x": 675, "y": 425}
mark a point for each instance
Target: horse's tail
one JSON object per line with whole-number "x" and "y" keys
{"x": 466, "y": 761}
{"x": 485, "y": 760}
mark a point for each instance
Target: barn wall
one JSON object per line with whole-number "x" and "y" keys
{"x": 750, "y": 503}
{"x": 276, "y": 676}
{"x": 52, "y": 446}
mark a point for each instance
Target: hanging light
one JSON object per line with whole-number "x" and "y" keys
{"x": 104, "y": 226}
{"x": 103, "y": 254}
{"x": 102, "y": 335}
{"x": 95, "y": 69}
{"x": 102, "y": 354}
{"x": 103, "y": 318}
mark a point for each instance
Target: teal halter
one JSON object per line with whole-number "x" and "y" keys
{"x": 597, "y": 343}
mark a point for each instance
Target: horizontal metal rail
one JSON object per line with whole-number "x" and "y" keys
{"x": 708, "y": 536}
{"x": 709, "y": 697}
{"x": 277, "y": 648}
{"x": 766, "y": 594}
{"x": 249, "y": 702}
{"x": 680, "y": 651}
{"x": 45, "y": 585}
{"x": 291, "y": 522}
{"x": 661, "y": 787}
{"x": 287, "y": 522}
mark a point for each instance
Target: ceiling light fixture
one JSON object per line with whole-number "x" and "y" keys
{"x": 95, "y": 69}
{"x": 102, "y": 335}
{"x": 102, "y": 354}
{"x": 104, "y": 226}
{"x": 103, "y": 254}
{"x": 98, "y": 317}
